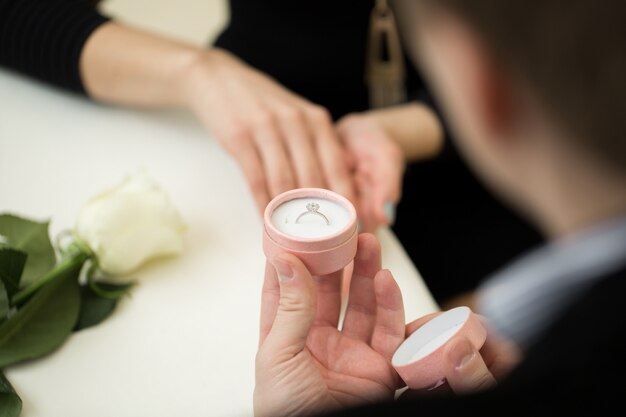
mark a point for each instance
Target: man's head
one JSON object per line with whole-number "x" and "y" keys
{"x": 528, "y": 85}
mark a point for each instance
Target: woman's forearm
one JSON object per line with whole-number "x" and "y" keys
{"x": 126, "y": 66}
{"x": 414, "y": 126}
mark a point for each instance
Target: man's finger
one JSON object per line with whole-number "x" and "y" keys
{"x": 500, "y": 355}
{"x": 389, "y": 328}
{"x": 328, "y": 299}
{"x": 466, "y": 372}
{"x": 361, "y": 311}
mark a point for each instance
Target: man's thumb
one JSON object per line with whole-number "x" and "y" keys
{"x": 297, "y": 305}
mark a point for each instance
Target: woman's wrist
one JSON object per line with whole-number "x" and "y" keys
{"x": 415, "y": 127}
{"x": 362, "y": 124}
{"x": 125, "y": 66}
{"x": 191, "y": 78}
{"x": 200, "y": 74}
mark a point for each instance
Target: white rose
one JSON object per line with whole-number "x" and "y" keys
{"x": 130, "y": 224}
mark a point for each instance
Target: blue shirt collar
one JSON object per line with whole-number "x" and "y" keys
{"x": 522, "y": 300}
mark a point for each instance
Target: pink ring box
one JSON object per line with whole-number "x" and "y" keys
{"x": 420, "y": 358}
{"x": 324, "y": 254}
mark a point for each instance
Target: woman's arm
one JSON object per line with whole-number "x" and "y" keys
{"x": 122, "y": 65}
{"x": 44, "y": 38}
{"x": 280, "y": 140}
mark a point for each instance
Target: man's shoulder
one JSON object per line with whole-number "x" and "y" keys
{"x": 580, "y": 353}
{"x": 594, "y": 320}
{"x": 571, "y": 369}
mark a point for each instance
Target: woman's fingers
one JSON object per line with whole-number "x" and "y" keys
{"x": 293, "y": 152}
{"x": 331, "y": 154}
{"x": 300, "y": 144}
{"x": 271, "y": 147}
{"x": 379, "y": 166}
{"x": 252, "y": 168}
{"x": 280, "y": 140}
{"x": 364, "y": 207}
{"x": 361, "y": 310}
{"x": 386, "y": 192}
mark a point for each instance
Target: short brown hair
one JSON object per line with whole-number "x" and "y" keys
{"x": 572, "y": 53}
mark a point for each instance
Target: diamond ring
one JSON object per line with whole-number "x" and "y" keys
{"x": 312, "y": 208}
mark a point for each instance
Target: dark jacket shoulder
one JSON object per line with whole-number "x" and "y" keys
{"x": 575, "y": 367}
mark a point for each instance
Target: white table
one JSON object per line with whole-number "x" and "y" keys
{"x": 184, "y": 343}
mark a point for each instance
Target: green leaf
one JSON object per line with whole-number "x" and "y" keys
{"x": 109, "y": 290}
{"x": 4, "y": 303}
{"x": 93, "y": 308}
{"x": 30, "y": 237}
{"x": 12, "y": 264}
{"x": 45, "y": 321}
{"x": 10, "y": 402}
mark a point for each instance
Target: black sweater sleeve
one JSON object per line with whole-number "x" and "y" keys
{"x": 44, "y": 38}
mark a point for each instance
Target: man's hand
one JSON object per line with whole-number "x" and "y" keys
{"x": 305, "y": 364}
{"x": 469, "y": 370}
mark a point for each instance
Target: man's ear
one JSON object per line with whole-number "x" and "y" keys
{"x": 491, "y": 90}
{"x": 483, "y": 82}
{"x": 496, "y": 100}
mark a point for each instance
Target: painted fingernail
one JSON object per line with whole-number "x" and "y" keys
{"x": 461, "y": 353}
{"x": 283, "y": 269}
{"x": 390, "y": 212}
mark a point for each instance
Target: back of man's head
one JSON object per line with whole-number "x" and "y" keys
{"x": 571, "y": 53}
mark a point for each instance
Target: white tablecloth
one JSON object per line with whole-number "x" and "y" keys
{"x": 183, "y": 344}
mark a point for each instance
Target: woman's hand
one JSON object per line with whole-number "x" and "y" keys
{"x": 280, "y": 140}
{"x": 305, "y": 364}
{"x": 378, "y": 142}
{"x": 377, "y": 167}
